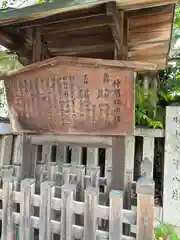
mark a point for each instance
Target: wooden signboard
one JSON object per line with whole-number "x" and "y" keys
{"x": 171, "y": 194}
{"x": 72, "y": 96}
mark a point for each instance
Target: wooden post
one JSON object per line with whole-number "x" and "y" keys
{"x": 45, "y": 210}
{"x": 147, "y": 164}
{"x": 8, "y": 227}
{"x": 129, "y": 170}
{"x": 52, "y": 170}
{"x": 22, "y": 157}
{"x": 116, "y": 215}
{"x": 46, "y": 154}
{"x": 7, "y": 171}
{"x": 118, "y": 143}
{"x": 66, "y": 173}
{"x": 171, "y": 191}
{"x": 6, "y": 142}
{"x": 121, "y": 175}
{"x": 28, "y": 164}
{"x": 27, "y": 189}
{"x": 92, "y": 157}
{"x": 80, "y": 173}
{"x": 118, "y": 162}
{"x": 80, "y": 182}
{"x": 67, "y": 215}
{"x": 76, "y": 156}
{"x": 90, "y": 213}
{"x": 37, "y": 45}
{"x": 94, "y": 177}
{"x": 145, "y": 208}
{"x": 61, "y": 155}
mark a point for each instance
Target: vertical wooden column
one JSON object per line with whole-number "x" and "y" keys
{"x": 145, "y": 208}
{"x": 118, "y": 143}
{"x": 37, "y": 45}
{"x": 23, "y": 160}
{"x": 122, "y": 147}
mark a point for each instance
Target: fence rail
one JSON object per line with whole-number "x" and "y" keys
{"x": 32, "y": 156}
{"x": 69, "y": 226}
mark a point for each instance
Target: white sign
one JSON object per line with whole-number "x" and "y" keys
{"x": 171, "y": 194}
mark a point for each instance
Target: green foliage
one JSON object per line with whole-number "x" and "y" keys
{"x": 168, "y": 93}
{"x": 145, "y": 111}
{"x": 164, "y": 231}
{"x": 4, "y": 4}
{"x": 8, "y": 62}
{"x": 41, "y": 1}
{"x": 177, "y": 17}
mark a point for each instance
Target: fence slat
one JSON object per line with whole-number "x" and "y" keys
{"x": 27, "y": 189}
{"x": 28, "y": 164}
{"x": 128, "y": 178}
{"x": 116, "y": 215}
{"x": 94, "y": 173}
{"x": 52, "y": 170}
{"x": 92, "y": 157}
{"x": 6, "y": 171}
{"x": 108, "y": 163}
{"x": 46, "y": 153}
{"x": 80, "y": 173}
{"x": 67, "y": 216}
{"x": 80, "y": 169}
{"x": 145, "y": 208}
{"x": 66, "y": 173}
{"x": 61, "y": 155}
{"x": 90, "y": 213}
{"x": 6, "y": 149}
{"x": 148, "y": 157}
{"x": 18, "y": 149}
{"x": 44, "y": 231}
{"x": 8, "y": 228}
{"x": 76, "y": 156}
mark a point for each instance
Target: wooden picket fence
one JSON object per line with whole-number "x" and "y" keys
{"x": 77, "y": 219}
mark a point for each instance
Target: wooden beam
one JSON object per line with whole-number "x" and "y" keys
{"x": 37, "y": 45}
{"x": 76, "y": 40}
{"x": 15, "y": 43}
{"x": 128, "y": 5}
{"x": 74, "y": 24}
{"x": 45, "y": 51}
{"x": 137, "y": 66}
{"x": 77, "y": 50}
{"x": 117, "y": 28}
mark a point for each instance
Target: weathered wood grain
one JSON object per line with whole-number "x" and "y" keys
{"x": 147, "y": 164}
{"x": 94, "y": 141}
{"x": 90, "y": 208}
{"x": 8, "y": 227}
{"x": 61, "y": 155}
{"x": 45, "y": 211}
{"x": 76, "y": 155}
{"x": 46, "y": 153}
{"x": 90, "y": 214}
{"x": 115, "y": 215}
{"x": 6, "y": 142}
{"x": 27, "y": 189}
{"x": 145, "y": 208}
{"x": 67, "y": 213}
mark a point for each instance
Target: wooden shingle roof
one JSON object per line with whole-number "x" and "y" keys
{"x": 91, "y": 29}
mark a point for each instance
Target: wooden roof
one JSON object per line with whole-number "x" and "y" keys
{"x": 92, "y": 29}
